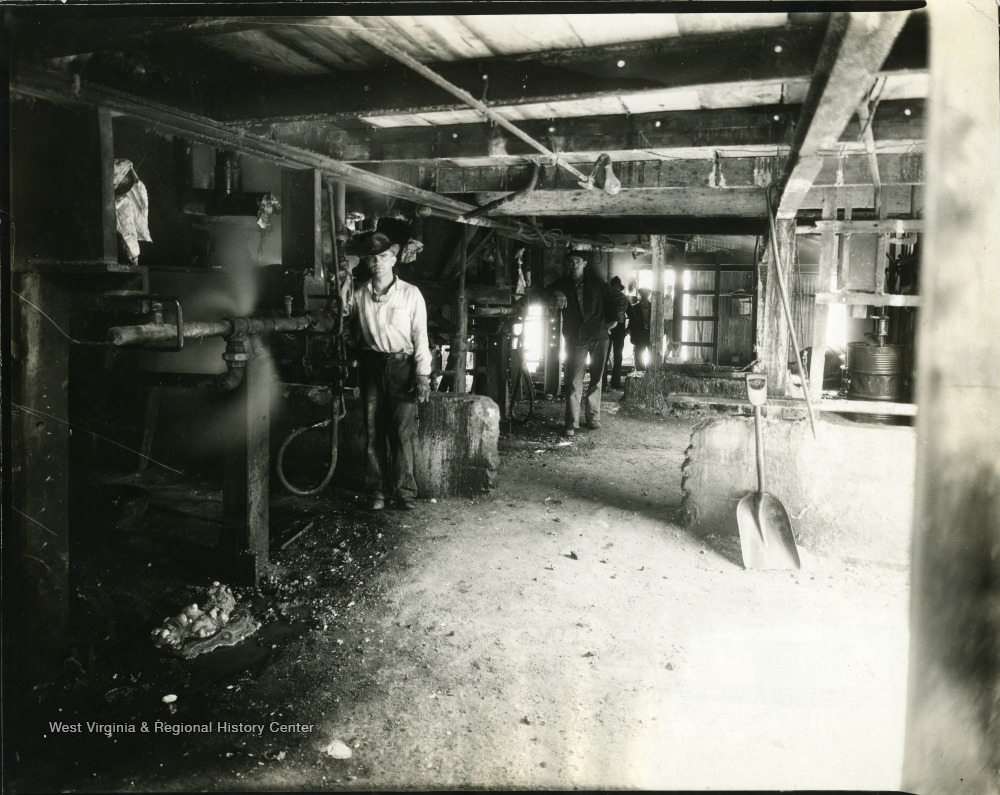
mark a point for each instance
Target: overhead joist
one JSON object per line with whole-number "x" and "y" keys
{"x": 737, "y": 172}
{"x": 775, "y": 54}
{"x": 44, "y": 85}
{"x": 677, "y": 135}
{"x": 384, "y": 45}
{"x": 853, "y": 51}
{"x": 690, "y": 202}
{"x": 42, "y": 35}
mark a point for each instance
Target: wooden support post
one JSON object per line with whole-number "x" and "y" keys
{"x": 109, "y": 227}
{"x": 301, "y": 226}
{"x": 245, "y": 494}
{"x": 953, "y": 704}
{"x": 41, "y": 477}
{"x": 458, "y": 357}
{"x": 552, "y": 329}
{"x": 677, "y": 332}
{"x": 658, "y": 244}
{"x": 775, "y": 327}
{"x": 827, "y": 260}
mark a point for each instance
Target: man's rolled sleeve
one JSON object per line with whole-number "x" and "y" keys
{"x": 418, "y": 332}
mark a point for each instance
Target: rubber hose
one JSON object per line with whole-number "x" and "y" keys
{"x": 334, "y": 417}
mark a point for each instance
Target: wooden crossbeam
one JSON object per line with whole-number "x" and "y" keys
{"x": 44, "y": 85}
{"x": 555, "y": 76}
{"x": 763, "y": 131}
{"x": 853, "y": 51}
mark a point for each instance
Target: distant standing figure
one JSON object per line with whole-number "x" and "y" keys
{"x": 638, "y": 327}
{"x": 588, "y": 314}
{"x": 389, "y": 320}
{"x": 617, "y": 334}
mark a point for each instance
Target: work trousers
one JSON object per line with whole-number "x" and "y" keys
{"x": 615, "y": 358}
{"x": 388, "y": 389}
{"x": 573, "y": 369}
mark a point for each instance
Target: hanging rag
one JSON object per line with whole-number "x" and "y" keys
{"x": 131, "y": 208}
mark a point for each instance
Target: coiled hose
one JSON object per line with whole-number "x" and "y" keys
{"x": 337, "y": 412}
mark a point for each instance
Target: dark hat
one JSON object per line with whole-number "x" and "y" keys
{"x": 374, "y": 245}
{"x": 617, "y": 282}
{"x": 584, "y": 255}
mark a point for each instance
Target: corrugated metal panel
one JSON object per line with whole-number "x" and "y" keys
{"x": 803, "y": 301}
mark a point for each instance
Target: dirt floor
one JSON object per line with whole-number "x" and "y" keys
{"x": 558, "y": 633}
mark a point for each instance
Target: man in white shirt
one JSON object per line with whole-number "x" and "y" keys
{"x": 389, "y": 318}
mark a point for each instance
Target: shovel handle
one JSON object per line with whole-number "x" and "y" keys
{"x": 759, "y": 435}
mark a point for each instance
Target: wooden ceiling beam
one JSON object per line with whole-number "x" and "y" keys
{"x": 693, "y": 201}
{"x": 678, "y": 134}
{"x": 61, "y": 32}
{"x": 853, "y": 51}
{"x": 543, "y": 77}
{"x": 171, "y": 121}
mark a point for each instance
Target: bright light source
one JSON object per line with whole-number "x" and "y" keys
{"x": 657, "y": 124}
{"x": 621, "y": 64}
{"x": 778, "y": 48}
{"x": 645, "y": 357}
{"x": 777, "y": 117}
{"x": 552, "y": 129}
{"x": 907, "y": 112}
{"x": 454, "y": 135}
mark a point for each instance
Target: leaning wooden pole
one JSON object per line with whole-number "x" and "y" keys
{"x": 953, "y": 705}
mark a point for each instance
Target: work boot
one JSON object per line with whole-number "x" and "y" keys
{"x": 569, "y": 432}
{"x": 594, "y": 425}
{"x": 376, "y": 502}
{"x": 404, "y": 502}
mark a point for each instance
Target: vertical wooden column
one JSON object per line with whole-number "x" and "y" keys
{"x": 679, "y": 310}
{"x": 774, "y": 330}
{"x": 109, "y": 216}
{"x": 301, "y": 226}
{"x": 245, "y": 494}
{"x": 827, "y": 262}
{"x": 41, "y": 482}
{"x": 458, "y": 341}
{"x": 658, "y": 243}
{"x": 953, "y": 712}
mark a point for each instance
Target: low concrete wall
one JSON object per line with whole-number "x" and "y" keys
{"x": 456, "y": 451}
{"x": 848, "y": 493}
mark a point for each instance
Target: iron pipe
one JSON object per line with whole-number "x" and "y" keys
{"x": 216, "y": 382}
{"x": 227, "y": 327}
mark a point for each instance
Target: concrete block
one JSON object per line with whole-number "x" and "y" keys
{"x": 848, "y": 493}
{"x": 456, "y": 450}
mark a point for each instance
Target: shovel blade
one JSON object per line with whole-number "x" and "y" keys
{"x": 766, "y": 533}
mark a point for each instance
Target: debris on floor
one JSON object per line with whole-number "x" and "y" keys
{"x": 196, "y": 630}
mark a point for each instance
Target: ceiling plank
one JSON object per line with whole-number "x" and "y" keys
{"x": 42, "y": 36}
{"x": 540, "y": 77}
{"x": 853, "y": 51}
{"x": 548, "y": 76}
{"x": 692, "y": 134}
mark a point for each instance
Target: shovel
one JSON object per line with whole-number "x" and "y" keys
{"x": 765, "y": 530}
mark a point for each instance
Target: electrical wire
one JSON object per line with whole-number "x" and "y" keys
{"x": 97, "y": 435}
{"x": 58, "y": 327}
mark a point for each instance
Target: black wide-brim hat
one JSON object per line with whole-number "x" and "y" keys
{"x": 370, "y": 245}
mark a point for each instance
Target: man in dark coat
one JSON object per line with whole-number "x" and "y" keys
{"x": 588, "y": 313}
{"x": 618, "y": 333}
{"x": 638, "y": 327}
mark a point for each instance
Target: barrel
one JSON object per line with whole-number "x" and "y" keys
{"x": 876, "y": 371}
